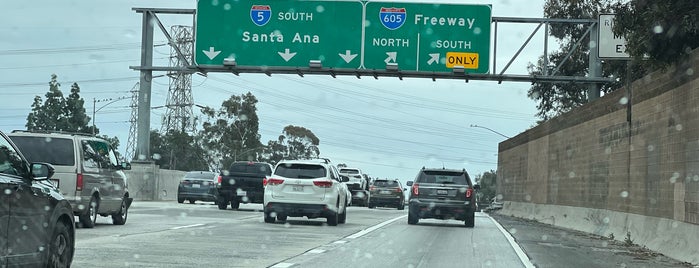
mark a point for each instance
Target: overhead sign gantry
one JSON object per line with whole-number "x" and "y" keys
{"x": 343, "y": 35}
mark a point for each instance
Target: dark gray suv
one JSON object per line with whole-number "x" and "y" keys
{"x": 442, "y": 194}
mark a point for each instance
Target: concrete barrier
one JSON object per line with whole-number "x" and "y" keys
{"x": 675, "y": 239}
{"x": 147, "y": 182}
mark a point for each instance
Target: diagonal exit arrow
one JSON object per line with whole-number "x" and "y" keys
{"x": 286, "y": 55}
{"x": 211, "y": 54}
{"x": 347, "y": 56}
{"x": 434, "y": 57}
{"x": 391, "y": 57}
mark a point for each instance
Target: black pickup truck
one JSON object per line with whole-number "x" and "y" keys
{"x": 242, "y": 182}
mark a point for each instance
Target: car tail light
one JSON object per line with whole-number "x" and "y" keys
{"x": 372, "y": 188}
{"x": 416, "y": 192}
{"x": 273, "y": 181}
{"x": 219, "y": 179}
{"x": 469, "y": 192}
{"x": 185, "y": 182}
{"x": 79, "y": 182}
{"x": 399, "y": 190}
{"x": 323, "y": 184}
{"x": 264, "y": 181}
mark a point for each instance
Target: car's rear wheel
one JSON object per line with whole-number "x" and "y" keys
{"x": 88, "y": 219}
{"x": 191, "y": 201}
{"x": 268, "y": 217}
{"x": 343, "y": 217}
{"x": 60, "y": 247}
{"x": 120, "y": 217}
{"x": 470, "y": 221}
{"x": 281, "y": 217}
{"x": 235, "y": 203}
{"x": 180, "y": 199}
{"x": 401, "y": 206}
{"x": 413, "y": 218}
{"x": 222, "y": 202}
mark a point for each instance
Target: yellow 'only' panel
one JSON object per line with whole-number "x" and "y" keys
{"x": 464, "y": 59}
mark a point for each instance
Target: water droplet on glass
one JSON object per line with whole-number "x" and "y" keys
{"x": 571, "y": 174}
{"x": 624, "y": 194}
{"x": 214, "y": 2}
{"x": 528, "y": 198}
{"x": 41, "y": 248}
{"x": 605, "y": 244}
{"x": 81, "y": 207}
{"x": 658, "y": 29}
{"x": 593, "y": 44}
{"x": 678, "y": 127}
{"x": 320, "y": 9}
{"x": 227, "y": 6}
{"x": 675, "y": 224}
{"x": 183, "y": 215}
{"x": 156, "y": 156}
{"x": 689, "y": 71}
{"x": 605, "y": 220}
{"x": 624, "y": 101}
{"x": 651, "y": 148}
{"x": 24, "y": 227}
{"x": 477, "y": 30}
{"x": 696, "y": 178}
{"x": 48, "y": 139}
{"x": 608, "y": 150}
{"x": 231, "y": 181}
{"x": 8, "y": 191}
{"x": 136, "y": 256}
{"x": 499, "y": 197}
{"x": 513, "y": 231}
{"x": 544, "y": 237}
{"x": 163, "y": 193}
{"x": 368, "y": 255}
{"x": 246, "y": 199}
{"x": 287, "y": 225}
{"x": 47, "y": 208}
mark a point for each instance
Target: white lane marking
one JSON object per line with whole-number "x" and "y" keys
{"x": 371, "y": 229}
{"x": 340, "y": 242}
{"x": 187, "y": 226}
{"x": 316, "y": 251}
{"x": 283, "y": 265}
{"x": 520, "y": 253}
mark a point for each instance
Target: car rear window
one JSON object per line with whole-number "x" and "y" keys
{"x": 200, "y": 175}
{"x": 386, "y": 183}
{"x": 255, "y": 168}
{"x": 300, "y": 171}
{"x": 443, "y": 177}
{"x": 55, "y": 151}
{"x": 349, "y": 171}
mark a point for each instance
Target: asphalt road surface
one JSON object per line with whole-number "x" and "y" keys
{"x": 168, "y": 234}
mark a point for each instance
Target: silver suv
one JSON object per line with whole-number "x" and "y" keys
{"x": 87, "y": 172}
{"x": 310, "y": 188}
{"x": 442, "y": 194}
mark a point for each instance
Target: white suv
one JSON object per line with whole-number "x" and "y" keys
{"x": 356, "y": 178}
{"x": 310, "y": 188}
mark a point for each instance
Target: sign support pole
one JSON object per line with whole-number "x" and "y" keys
{"x": 144, "y": 92}
{"x": 594, "y": 64}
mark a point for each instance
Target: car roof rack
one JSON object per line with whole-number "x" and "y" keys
{"x": 54, "y": 132}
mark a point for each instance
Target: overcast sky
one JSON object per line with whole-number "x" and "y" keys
{"x": 387, "y": 127}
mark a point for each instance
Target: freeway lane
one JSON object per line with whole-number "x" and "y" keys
{"x": 167, "y": 234}
{"x": 430, "y": 243}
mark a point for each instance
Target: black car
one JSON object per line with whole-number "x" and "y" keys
{"x": 198, "y": 186}
{"x": 386, "y": 193}
{"x": 442, "y": 194}
{"x": 37, "y": 226}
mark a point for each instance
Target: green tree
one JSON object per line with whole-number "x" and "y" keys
{"x": 557, "y": 98}
{"x": 665, "y": 31}
{"x": 295, "y": 143}
{"x": 232, "y": 131}
{"x": 488, "y": 183}
{"x": 177, "y": 150}
{"x": 59, "y": 113}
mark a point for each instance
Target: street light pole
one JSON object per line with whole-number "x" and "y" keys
{"x": 491, "y": 130}
{"x": 94, "y": 111}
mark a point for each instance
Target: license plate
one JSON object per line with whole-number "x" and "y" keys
{"x": 241, "y": 193}
{"x": 297, "y": 188}
{"x": 384, "y": 192}
{"x": 196, "y": 185}
{"x": 442, "y": 192}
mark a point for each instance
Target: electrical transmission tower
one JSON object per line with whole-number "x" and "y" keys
{"x": 179, "y": 115}
{"x": 131, "y": 143}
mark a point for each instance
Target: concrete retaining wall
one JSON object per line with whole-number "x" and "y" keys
{"x": 610, "y": 167}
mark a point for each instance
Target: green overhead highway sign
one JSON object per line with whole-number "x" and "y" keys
{"x": 279, "y": 33}
{"x": 344, "y": 35}
{"x": 427, "y": 37}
